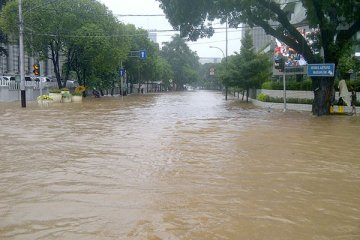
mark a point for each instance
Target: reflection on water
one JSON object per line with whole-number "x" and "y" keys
{"x": 177, "y": 166}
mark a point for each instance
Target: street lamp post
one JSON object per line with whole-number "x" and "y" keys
{"x": 219, "y": 49}
{"x": 226, "y": 88}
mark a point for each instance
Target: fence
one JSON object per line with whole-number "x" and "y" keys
{"x": 10, "y": 90}
{"x": 13, "y": 85}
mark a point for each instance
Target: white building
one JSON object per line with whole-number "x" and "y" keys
{"x": 9, "y": 65}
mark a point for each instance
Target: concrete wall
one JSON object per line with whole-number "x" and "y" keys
{"x": 289, "y": 94}
{"x": 295, "y": 94}
{"x": 7, "y": 95}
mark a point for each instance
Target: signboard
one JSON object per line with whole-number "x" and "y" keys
{"x": 288, "y": 61}
{"x": 294, "y": 70}
{"x": 321, "y": 70}
{"x": 122, "y": 72}
{"x": 212, "y": 71}
{"x": 288, "y": 71}
{"x": 142, "y": 54}
{"x": 18, "y": 78}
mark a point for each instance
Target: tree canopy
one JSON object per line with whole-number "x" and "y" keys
{"x": 337, "y": 20}
{"x": 184, "y": 62}
{"x": 85, "y": 37}
{"x": 3, "y": 38}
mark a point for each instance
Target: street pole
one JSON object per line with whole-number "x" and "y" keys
{"x": 226, "y": 57}
{"x": 284, "y": 94}
{"x": 21, "y": 46}
{"x": 225, "y": 65}
{"x": 121, "y": 82}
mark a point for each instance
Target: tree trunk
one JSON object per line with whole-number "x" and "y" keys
{"x": 323, "y": 88}
{"x": 55, "y": 59}
{"x": 226, "y": 93}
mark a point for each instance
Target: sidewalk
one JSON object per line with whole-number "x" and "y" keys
{"x": 296, "y": 107}
{"x": 289, "y": 106}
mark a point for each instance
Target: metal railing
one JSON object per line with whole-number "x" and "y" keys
{"x": 14, "y": 86}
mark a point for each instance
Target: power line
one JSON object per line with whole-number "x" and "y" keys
{"x": 200, "y": 43}
{"x": 140, "y": 15}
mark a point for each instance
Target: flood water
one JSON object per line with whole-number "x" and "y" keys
{"x": 177, "y": 166}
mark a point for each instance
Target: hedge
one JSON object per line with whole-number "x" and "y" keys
{"x": 266, "y": 98}
{"x": 305, "y": 85}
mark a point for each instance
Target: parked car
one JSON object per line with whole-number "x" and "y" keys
{"x": 8, "y": 78}
{"x": 71, "y": 83}
{"x": 12, "y": 78}
{"x": 44, "y": 79}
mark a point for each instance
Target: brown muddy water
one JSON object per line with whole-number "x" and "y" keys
{"x": 177, "y": 166}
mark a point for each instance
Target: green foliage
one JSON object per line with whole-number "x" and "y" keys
{"x": 3, "y": 38}
{"x": 87, "y": 34}
{"x": 164, "y": 71}
{"x": 207, "y": 81}
{"x": 347, "y": 63}
{"x": 247, "y": 69}
{"x": 263, "y": 97}
{"x": 70, "y": 28}
{"x": 305, "y": 85}
{"x": 76, "y": 94}
{"x": 184, "y": 62}
{"x": 44, "y": 97}
{"x": 54, "y": 90}
{"x": 194, "y": 19}
{"x": 351, "y": 84}
{"x": 66, "y": 94}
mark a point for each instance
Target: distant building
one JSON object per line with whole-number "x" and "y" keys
{"x": 153, "y": 36}
{"x": 209, "y": 60}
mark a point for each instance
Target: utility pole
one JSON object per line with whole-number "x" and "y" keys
{"x": 21, "y": 46}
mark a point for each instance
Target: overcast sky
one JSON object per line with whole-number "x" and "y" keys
{"x": 146, "y": 7}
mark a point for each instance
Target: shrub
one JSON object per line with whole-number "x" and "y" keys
{"x": 76, "y": 94}
{"x": 272, "y": 85}
{"x": 291, "y": 100}
{"x": 291, "y": 84}
{"x": 66, "y": 95}
{"x": 54, "y": 90}
{"x": 79, "y": 90}
{"x": 44, "y": 97}
{"x": 263, "y": 97}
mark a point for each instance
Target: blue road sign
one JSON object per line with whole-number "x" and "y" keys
{"x": 122, "y": 72}
{"x": 142, "y": 54}
{"x": 321, "y": 70}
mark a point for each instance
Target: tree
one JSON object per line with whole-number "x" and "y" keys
{"x": 50, "y": 30}
{"x": 164, "y": 71}
{"x": 247, "y": 69}
{"x": 97, "y": 53}
{"x": 3, "y": 38}
{"x": 347, "y": 63}
{"x": 184, "y": 62}
{"x": 210, "y": 76}
{"x": 139, "y": 70}
{"x": 337, "y": 21}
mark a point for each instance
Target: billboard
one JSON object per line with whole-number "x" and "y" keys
{"x": 287, "y": 60}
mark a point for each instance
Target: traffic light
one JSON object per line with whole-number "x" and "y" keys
{"x": 36, "y": 69}
{"x": 279, "y": 64}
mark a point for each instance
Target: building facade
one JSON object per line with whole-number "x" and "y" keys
{"x": 9, "y": 65}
